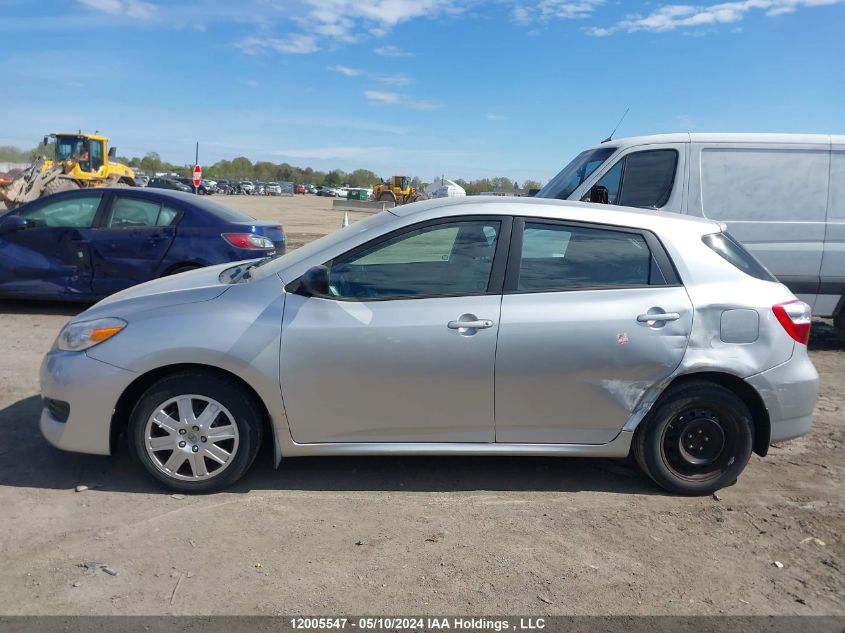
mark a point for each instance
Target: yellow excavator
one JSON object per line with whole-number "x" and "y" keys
{"x": 78, "y": 160}
{"x": 397, "y": 191}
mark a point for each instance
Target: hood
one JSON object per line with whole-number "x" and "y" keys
{"x": 203, "y": 284}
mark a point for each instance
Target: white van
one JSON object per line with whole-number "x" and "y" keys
{"x": 782, "y": 195}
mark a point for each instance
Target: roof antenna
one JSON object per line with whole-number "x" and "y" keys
{"x": 610, "y": 138}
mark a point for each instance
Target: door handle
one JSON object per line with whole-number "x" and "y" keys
{"x": 479, "y": 324}
{"x": 658, "y": 316}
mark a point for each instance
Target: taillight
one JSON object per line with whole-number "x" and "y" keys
{"x": 248, "y": 241}
{"x": 795, "y": 317}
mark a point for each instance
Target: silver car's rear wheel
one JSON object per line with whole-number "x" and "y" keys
{"x": 696, "y": 439}
{"x": 197, "y": 430}
{"x": 191, "y": 437}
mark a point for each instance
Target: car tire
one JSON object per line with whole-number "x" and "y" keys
{"x": 696, "y": 439}
{"x": 237, "y": 414}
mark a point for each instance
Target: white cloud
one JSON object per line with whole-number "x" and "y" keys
{"x": 673, "y": 16}
{"x": 545, "y": 10}
{"x": 295, "y": 44}
{"x": 568, "y": 10}
{"x": 251, "y": 83}
{"x": 129, "y": 8}
{"x": 394, "y": 80}
{"x": 344, "y": 70}
{"x": 380, "y": 96}
{"x": 394, "y": 98}
{"x": 391, "y": 51}
{"x": 494, "y": 116}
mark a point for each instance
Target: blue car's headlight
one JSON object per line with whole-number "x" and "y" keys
{"x": 81, "y": 335}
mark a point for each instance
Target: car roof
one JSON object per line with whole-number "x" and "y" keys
{"x": 561, "y": 210}
{"x": 724, "y": 137}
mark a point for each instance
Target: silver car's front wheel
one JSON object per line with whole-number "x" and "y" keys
{"x": 196, "y": 431}
{"x": 191, "y": 437}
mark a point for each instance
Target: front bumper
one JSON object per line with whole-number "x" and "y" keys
{"x": 789, "y": 392}
{"x": 91, "y": 388}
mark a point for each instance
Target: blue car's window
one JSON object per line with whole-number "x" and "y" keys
{"x": 167, "y": 216}
{"x": 76, "y": 212}
{"x": 132, "y": 213}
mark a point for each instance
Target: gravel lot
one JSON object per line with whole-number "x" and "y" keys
{"x": 409, "y": 535}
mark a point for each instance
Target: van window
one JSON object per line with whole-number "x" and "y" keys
{"x": 642, "y": 179}
{"x": 570, "y": 178}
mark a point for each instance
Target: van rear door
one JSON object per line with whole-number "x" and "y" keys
{"x": 832, "y": 282}
{"x": 773, "y": 197}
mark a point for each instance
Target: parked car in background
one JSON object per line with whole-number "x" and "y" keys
{"x": 588, "y": 330}
{"x": 141, "y": 181}
{"x": 299, "y": 189}
{"x": 247, "y": 187}
{"x": 86, "y": 244}
{"x": 781, "y": 195}
{"x": 169, "y": 183}
{"x": 311, "y": 189}
{"x": 273, "y": 189}
{"x": 204, "y": 188}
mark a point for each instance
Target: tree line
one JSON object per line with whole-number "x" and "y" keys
{"x": 241, "y": 168}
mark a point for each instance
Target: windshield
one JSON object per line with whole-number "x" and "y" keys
{"x": 71, "y": 147}
{"x": 273, "y": 265}
{"x": 575, "y": 173}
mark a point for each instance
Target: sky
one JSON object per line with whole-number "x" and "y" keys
{"x": 463, "y": 88}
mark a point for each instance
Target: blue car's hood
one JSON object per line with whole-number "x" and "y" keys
{"x": 202, "y": 284}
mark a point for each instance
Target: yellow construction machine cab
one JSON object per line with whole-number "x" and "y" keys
{"x": 402, "y": 183}
{"x": 87, "y": 157}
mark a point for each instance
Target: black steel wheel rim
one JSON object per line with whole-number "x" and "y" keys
{"x": 698, "y": 443}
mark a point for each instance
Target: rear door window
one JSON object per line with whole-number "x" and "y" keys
{"x": 558, "y": 257}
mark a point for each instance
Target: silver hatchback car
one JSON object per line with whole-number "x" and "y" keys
{"x": 495, "y": 326}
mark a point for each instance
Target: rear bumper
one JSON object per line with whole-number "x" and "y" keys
{"x": 91, "y": 389}
{"x": 789, "y": 392}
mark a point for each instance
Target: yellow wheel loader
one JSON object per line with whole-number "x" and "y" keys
{"x": 78, "y": 160}
{"x": 397, "y": 191}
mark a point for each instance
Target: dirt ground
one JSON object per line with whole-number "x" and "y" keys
{"x": 384, "y": 535}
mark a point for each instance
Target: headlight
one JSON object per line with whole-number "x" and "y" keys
{"x": 81, "y": 335}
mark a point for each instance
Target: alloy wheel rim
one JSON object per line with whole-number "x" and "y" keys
{"x": 191, "y": 438}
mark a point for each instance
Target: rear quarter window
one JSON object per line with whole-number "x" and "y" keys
{"x": 729, "y": 249}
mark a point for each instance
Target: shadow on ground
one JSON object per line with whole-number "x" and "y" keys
{"x": 823, "y": 337}
{"x": 60, "y": 308}
{"x": 27, "y": 460}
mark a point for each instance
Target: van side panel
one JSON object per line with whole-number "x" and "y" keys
{"x": 773, "y": 199}
{"x": 832, "y": 287}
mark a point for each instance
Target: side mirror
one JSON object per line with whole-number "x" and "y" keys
{"x": 315, "y": 282}
{"x": 112, "y": 151}
{"x": 12, "y": 223}
{"x": 598, "y": 194}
